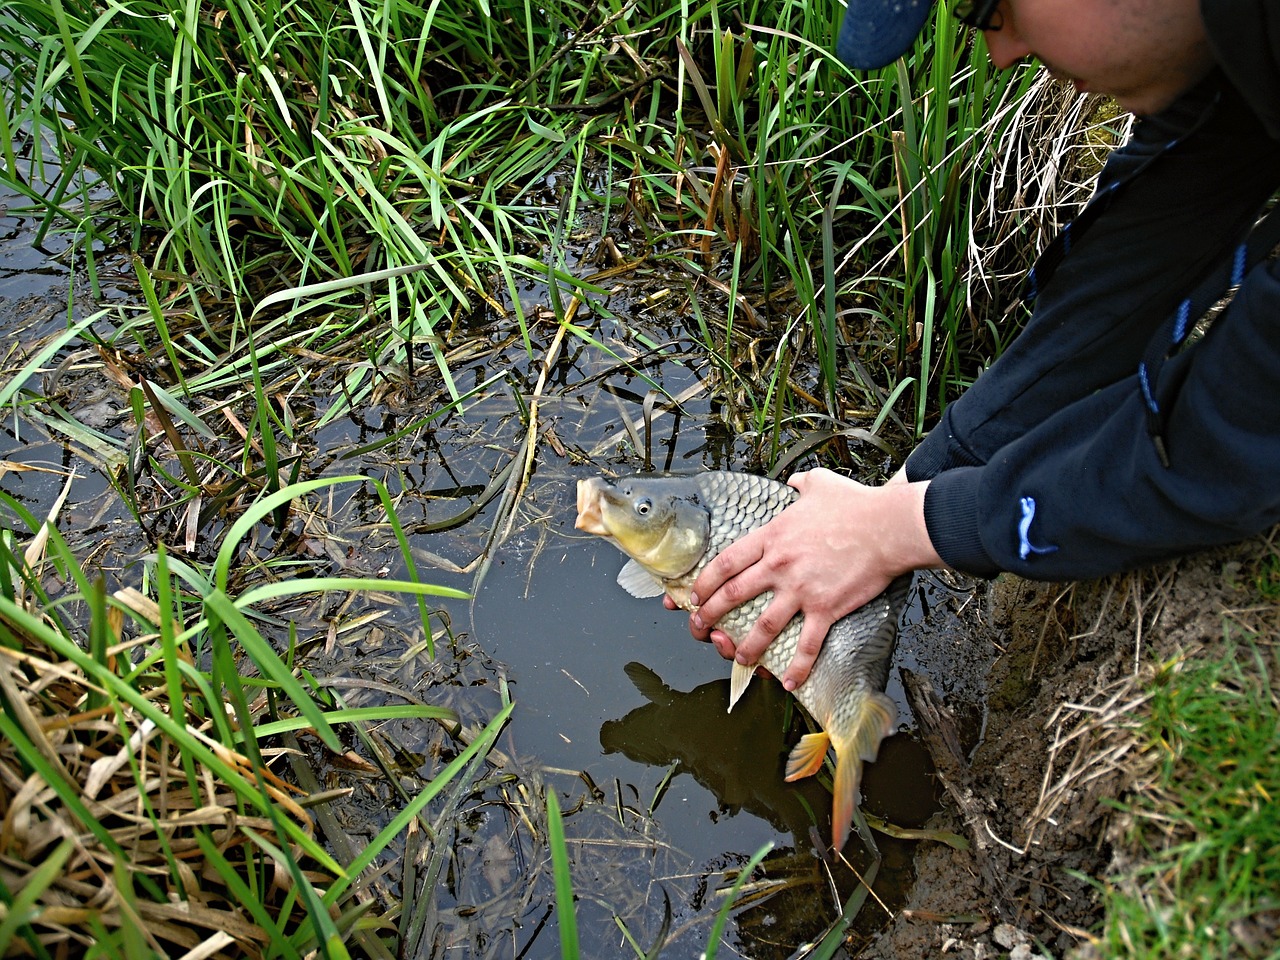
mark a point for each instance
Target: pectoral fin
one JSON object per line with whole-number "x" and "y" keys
{"x": 738, "y": 680}
{"x": 807, "y": 756}
{"x": 639, "y": 582}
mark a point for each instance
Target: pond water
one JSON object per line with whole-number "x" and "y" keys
{"x": 617, "y": 710}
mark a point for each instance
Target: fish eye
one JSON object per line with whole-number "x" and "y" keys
{"x": 643, "y": 506}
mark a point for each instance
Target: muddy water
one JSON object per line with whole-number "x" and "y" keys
{"x": 618, "y": 710}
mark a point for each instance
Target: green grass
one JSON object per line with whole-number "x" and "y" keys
{"x": 170, "y": 694}
{"x": 1266, "y": 579}
{"x": 1206, "y": 832}
{"x": 354, "y": 180}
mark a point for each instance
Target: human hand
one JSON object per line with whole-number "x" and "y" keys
{"x": 827, "y": 554}
{"x": 717, "y": 638}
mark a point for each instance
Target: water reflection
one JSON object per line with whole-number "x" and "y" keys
{"x": 739, "y": 757}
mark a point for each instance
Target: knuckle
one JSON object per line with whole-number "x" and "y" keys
{"x": 712, "y": 570}
{"x": 810, "y": 642}
{"x": 723, "y": 562}
{"x": 734, "y": 591}
{"x": 780, "y": 561}
{"x": 768, "y": 624}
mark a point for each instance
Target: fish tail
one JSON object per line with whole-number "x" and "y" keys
{"x": 858, "y": 741}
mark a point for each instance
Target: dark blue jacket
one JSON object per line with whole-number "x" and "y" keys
{"x": 1046, "y": 467}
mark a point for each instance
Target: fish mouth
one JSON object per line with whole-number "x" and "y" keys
{"x": 589, "y": 516}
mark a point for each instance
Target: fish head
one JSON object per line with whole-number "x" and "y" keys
{"x": 660, "y": 522}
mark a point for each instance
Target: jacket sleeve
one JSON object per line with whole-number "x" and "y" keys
{"x": 1084, "y": 493}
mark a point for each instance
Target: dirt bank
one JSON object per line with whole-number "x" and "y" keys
{"x": 1032, "y": 794}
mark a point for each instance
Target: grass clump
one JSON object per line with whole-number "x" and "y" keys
{"x": 147, "y": 761}
{"x": 1205, "y": 832}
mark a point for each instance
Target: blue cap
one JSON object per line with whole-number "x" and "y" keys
{"x": 878, "y": 32}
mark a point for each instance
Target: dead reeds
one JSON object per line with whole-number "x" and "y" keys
{"x": 114, "y": 833}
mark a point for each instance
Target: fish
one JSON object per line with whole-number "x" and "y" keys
{"x": 673, "y": 525}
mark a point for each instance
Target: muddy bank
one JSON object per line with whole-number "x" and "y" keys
{"x": 1031, "y": 793}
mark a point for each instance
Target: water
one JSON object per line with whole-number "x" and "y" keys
{"x": 618, "y": 710}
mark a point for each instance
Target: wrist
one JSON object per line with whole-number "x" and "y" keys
{"x": 905, "y": 535}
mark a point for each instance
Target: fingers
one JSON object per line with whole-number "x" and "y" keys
{"x": 803, "y": 479}
{"x": 724, "y": 646}
{"x": 731, "y": 593}
{"x": 770, "y": 623}
{"x": 730, "y": 562}
{"x": 698, "y": 628}
{"x": 812, "y": 632}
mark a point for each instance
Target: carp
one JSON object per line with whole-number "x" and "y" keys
{"x": 671, "y": 526}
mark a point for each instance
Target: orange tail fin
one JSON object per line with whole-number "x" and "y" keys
{"x": 871, "y": 724}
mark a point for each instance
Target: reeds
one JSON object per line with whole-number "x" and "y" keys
{"x": 320, "y": 177}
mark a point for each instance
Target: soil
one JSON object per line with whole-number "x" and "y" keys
{"x": 1032, "y": 794}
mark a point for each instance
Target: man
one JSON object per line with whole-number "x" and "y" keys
{"x": 1106, "y": 437}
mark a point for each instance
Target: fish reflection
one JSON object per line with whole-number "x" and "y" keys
{"x": 738, "y": 757}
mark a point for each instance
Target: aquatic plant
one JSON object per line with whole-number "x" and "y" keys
{"x": 142, "y": 742}
{"x": 356, "y": 181}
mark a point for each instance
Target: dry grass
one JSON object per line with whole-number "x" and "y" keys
{"x": 1047, "y": 166}
{"x": 111, "y": 812}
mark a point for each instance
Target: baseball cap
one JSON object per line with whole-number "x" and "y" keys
{"x": 878, "y": 32}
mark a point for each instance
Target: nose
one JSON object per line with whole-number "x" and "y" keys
{"x": 1005, "y": 46}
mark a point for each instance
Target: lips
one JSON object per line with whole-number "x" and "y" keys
{"x": 589, "y": 518}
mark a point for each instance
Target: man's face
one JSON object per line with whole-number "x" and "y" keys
{"x": 1141, "y": 52}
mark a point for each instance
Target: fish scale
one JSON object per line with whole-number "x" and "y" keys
{"x": 673, "y": 526}
{"x": 743, "y": 502}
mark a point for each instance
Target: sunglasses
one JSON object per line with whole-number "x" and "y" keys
{"x": 978, "y": 14}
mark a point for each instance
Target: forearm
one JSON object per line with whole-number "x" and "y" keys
{"x": 1086, "y": 493}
